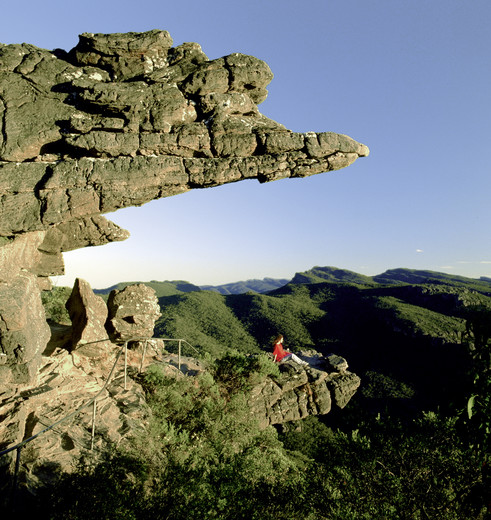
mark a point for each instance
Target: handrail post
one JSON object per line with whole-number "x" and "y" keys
{"x": 179, "y": 355}
{"x": 143, "y": 355}
{"x": 125, "y": 362}
{"x": 93, "y": 425}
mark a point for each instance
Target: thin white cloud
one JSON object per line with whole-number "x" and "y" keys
{"x": 474, "y": 262}
{"x": 419, "y": 250}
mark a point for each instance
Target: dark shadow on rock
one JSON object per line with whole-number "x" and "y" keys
{"x": 61, "y": 336}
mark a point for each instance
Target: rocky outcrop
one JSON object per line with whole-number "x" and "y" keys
{"x": 125, "y": 118}
{"x": 83, "y": 367}
{"x": 88, "y": 314}
{"x": 24, "y": 332}
{"x": 66, "y": 382}
{"x": 93, "y": 397}
{"x": 301, "y": 391}
{"x": 118, "y": 121}
{"x": 69, "y": 381}
{"x": 133, "y": 312}
{"x": 26, "y": 262}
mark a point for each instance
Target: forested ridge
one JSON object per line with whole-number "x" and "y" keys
{"x": 412, "y": 444}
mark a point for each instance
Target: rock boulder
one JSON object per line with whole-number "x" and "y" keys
{"x": 133, "y": 312}
{"x": 302, "y": 391}
{"x": 24, "y": 332}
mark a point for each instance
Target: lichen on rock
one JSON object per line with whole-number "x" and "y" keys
{"x": 132, "y": 313}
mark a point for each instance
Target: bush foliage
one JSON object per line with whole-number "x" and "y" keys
{"x": 412, "y": 444}
{"x": 54, "y": 304}
{"x": 204, "y": 457}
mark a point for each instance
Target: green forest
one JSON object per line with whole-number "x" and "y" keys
{"x": 413, "y": 443}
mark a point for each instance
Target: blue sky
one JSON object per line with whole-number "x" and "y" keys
{"x": 410, "y": 79}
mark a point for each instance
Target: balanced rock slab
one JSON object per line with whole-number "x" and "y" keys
{"x": 88, "y": 313}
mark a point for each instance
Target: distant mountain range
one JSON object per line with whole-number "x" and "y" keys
{"x": 391, "y": 277}
{"x": 315, "y": 275}
{"x": 166, "y": 288}
{"x": 259, "y": 286}
{"x": 401, "y": 331}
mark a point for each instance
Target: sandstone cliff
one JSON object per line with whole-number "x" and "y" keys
{"x": 118, "y": 121}
{"x": 69, "y": 380}
{"x": 87, "y": 398}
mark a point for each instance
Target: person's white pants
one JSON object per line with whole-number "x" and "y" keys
{"x": 296, "y": 359}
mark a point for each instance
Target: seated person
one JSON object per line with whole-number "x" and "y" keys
{"x": 280, "y": 354}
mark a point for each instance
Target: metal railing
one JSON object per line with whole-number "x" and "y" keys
{"x": 181, "y": 341}
{"x": 93, "y": 401}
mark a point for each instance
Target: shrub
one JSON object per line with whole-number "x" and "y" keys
{"x": 392, "y": 469}
{"x": 54, "y": 304}
{"x": 237, "y": 372}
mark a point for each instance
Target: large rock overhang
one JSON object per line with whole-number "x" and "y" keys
{"x": 123, "y": 119}
{"x": 118, "y": 121}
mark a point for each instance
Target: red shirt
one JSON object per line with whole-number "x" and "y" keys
{"x": 279, "y": 352}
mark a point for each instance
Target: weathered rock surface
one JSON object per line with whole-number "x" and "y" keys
{"x": 303, "y": 391}
{"x": 125, "y": 118}
{"x": 133, "y": 312}
{"x": 82, "y": 232}
{"x": 26, "y": 262}
{"x": 24, "y": 332}
{"x": 118, "y": 121}
{"x": 68, "y": 381}
{"x": 88, "y": 314}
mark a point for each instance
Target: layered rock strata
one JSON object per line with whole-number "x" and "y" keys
{"x": 123, "y": 119}
{"x": 118, "y": 121}
{"x": 303, "y": 391}
{"x": 69, "y": 380}
{"x": 66, "y": 382}
{"x": 84, "y": 366}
